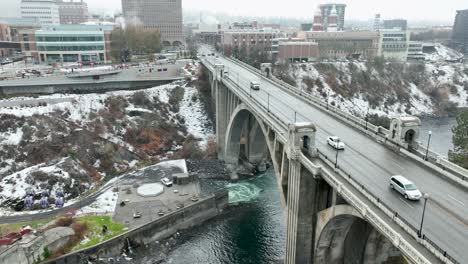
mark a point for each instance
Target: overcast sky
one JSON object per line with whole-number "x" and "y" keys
{"x": 442, "y": 10}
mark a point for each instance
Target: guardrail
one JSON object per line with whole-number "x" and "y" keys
{"x": 378, "y": 133}
{"x": 405, "y": 246}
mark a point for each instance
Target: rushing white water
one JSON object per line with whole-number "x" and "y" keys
{"x": 243, "y": 192}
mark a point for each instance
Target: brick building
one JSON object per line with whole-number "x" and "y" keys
{"x": 73, "y": 12}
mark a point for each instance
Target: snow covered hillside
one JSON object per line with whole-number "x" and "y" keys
{"x": 383, "y": 88}
{"x": 102, "y": 135}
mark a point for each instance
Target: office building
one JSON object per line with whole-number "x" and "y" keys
{"x": 460, "y": 32}
{"x": 297, "y": 51}
{"x": 73, "y": 12}
{"x": 164, "y": 15}
{"x": 394, "y": 44}
{"x": 45, "y": 12}
{"x": 245, "y": 40}
{"x": 68, "y": 43}
{"x": 376, "y": 25}
{"x": 342, "y": 44}
{"x": 415, "y": 51}
{"x": 306, "y": 26}
{"x": 333, "y": 11}
{"x": 400, "y": 24}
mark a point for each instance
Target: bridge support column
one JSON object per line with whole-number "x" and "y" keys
{"x": 303, "y": 198}
{"x": 222, "y": 118}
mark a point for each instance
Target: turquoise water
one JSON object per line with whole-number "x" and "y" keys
{"x": 252, "y": 232}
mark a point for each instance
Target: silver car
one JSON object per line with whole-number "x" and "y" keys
{"x": 405, "y": 187}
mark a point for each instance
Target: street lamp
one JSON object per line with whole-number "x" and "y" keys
{"x": 367, "y": 117}
{"x": 426, "y": 196}
{"x": 428, "y": 143}
{"x": 336, "y": 158}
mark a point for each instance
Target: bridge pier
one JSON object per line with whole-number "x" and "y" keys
{"x": 304, "y": 198}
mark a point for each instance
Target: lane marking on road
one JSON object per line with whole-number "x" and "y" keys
{"x": 458, "y": 201}
{"x": 398, "y": 165}
{"x": 406, "y": 203}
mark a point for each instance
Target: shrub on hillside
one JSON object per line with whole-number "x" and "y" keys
{"x": 176, "y": 95}
{"x": 140, "y": 99}
{"x": 64, "y": 221}
{"x": 39, "y": 175}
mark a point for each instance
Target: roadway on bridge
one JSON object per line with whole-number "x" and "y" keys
{"x": 372, "y": 164}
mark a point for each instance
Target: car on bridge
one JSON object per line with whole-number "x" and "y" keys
{"x": 335, "y": 142}
{"x": 405, "y": 187}
{"x": 254, "y": 85}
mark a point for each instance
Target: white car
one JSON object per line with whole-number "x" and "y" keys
{"x": 255, "y": 86}
{"x": 335, "y": 142}
{"x": 166, "y": 182}
{"x": 405, "y": 187}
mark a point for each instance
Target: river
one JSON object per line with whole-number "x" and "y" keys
{"x": 441, "y": 139}
{"x": 254, "y": 231}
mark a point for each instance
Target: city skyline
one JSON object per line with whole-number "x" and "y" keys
{"x": 356, "y": 9}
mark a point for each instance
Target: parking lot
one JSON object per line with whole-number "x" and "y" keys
{"x": 150, "y": 207}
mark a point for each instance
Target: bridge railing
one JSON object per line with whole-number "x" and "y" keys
{"x": 378, "y": 133}
{"x": 405, "y": 225}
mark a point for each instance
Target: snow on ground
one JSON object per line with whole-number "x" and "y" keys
{"x": 194, "y": 115}
{"x": 105, "y": 203}
{"x": 441, "y": 74}
{"x": 181, "y": 164}
{"x": 16, "y": 184}
{"x": 11, "y": 138}
{"x": 444, "y": 53}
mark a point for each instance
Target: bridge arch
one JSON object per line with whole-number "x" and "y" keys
{"x": 344, "y": 237}
{"x": 245, "y": 137}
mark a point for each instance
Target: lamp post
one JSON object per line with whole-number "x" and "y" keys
{"x": 336, "y": 158}
{"x": 428, "y": 143}
{"x": 426, "y": 196}
{"x": 367, "y": 117}
{"x": 268, "y": 102}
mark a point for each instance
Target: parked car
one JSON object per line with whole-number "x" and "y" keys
{"x": 137, "y": 215}
{"x": 335, "y": 142}
{"x": 166, "y": 182}
{"x": 405, "y": 187}
{"x": 254, "y": 85}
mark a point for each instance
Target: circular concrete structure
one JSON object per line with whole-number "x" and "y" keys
{"x": 150, "y": 190}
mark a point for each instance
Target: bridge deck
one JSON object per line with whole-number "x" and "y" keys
{"x": 372, "y": 164}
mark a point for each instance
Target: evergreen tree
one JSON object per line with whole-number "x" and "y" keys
{"x": 459, "y": 154}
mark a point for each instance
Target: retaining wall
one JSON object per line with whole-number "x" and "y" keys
{"x": 192, "y": 215}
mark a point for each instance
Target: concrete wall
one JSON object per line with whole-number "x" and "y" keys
{"x": 161, "y": 228}
{"x": 79, "y": 87}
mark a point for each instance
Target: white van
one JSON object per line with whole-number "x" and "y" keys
{"x": 405, "y": 187}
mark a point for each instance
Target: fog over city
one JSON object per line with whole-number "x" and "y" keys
{"x": 357, "y": 9}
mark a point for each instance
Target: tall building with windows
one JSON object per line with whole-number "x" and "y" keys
{"x": 460, "y": 31}
{"x": 46, "y": 12}
{"x": 394, "y": 44}
{"x": 73, "y": 12}
{"x": 400, "y": 24}
{"x": 165, "y": 15}
{"x": 335, "y": 10}
{"x": 68, "y": 43}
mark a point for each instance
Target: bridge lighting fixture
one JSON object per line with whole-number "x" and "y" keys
{"x": 426, "y": 196}
{"x": 428, "y": 143}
